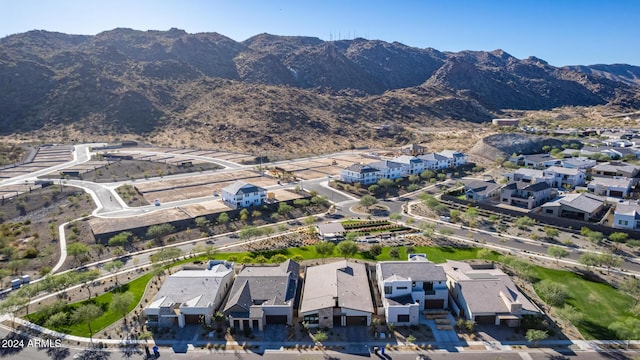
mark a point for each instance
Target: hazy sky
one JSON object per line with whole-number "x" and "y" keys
{"x": 563, "y": 32}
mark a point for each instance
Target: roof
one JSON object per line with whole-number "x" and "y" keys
{"x": 480, "y": 186}
{"x": 451, "y": 153}
{"x": 192, "y": 288}
{"x": 540, "y": 158}
{"x": 631, "y": 209}
{"x": 269, "y": 285}
{"x": 361, "y": 168}
{"x": 344, "y": 282}
{"x": 619, "y": 182}
{"x": 579, "y": 161}
{"x": 525, "y": 186}
{"x": 386, "y": 164}
{"x": 414, "y": 147}
{"x": 487, "y": 290}
{"x": 330, "y": 228}
{"x": 563, "y": 170}
{"x": 529, "y": 172}
{"x": 584, "y": 202}
{"x": 615, "y": 167}
{"x": 414, "y": 270}
{"x": 432, "y": 157}
{"x": 406, "y": 159}
{"x": 241, "y": 187}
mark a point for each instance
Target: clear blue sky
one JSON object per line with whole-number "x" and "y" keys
{"x": 563, "y": 32}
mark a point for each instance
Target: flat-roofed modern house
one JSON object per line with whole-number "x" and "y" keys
{"x": 241, "y": 194}
{"x": 615, "y": 168}
{"x": 525, "y": 195}
{"x": 263, "y": 295}
{"x": 582, "y": 206}
{"x": 332, "y": 231}
{"x": 536, "y": 161}
{"x": 410, "y": 287}
{"x": 619, "y": 187}
{"x": 190, "y": 296}
{"x": 486, "y": 295}
{"x": 336, "y": 294}
{"x": 627, "y": 215}
{"x": 359, "y": 173}
{"x": 526, "y": 175}
{"x": 578, "y": 163}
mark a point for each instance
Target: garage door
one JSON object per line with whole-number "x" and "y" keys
{"x": 356, "y": 320}
{"x": 276, "y": 319}
{"x": 486, "y": 319}
{"x": 192, "y": 319}
{"x": 434, "y": 304}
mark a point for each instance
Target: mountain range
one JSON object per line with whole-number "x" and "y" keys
{"x": 206, "y": 88}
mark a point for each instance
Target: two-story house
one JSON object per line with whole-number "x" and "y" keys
{"x": 627, "y": 216}
{"x": 388, "y": 169}
{"x": 578, "y": 163}
{"x": 359, "y": 173}
{"x": 525, "y": 195}
{"x": 526, "y": 175}
{"x": 263, "y": 295}
{"x": 615, "y": 169}
{"x": 480, "y": 190}
{"x": 410, "y": 287}
{"x": 565, "y": 177}
{"x": 620, "y": 187}
{"x": 454, "y": 158}
{"x": 434, "y": 161}
{"x": 241, "y": 194}
{"x": 412, "y": 165}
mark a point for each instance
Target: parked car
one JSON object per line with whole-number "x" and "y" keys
{"x": 156, "y": 202}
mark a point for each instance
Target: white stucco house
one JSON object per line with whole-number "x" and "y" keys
{"x": 434, "y": 161}
{"x": 412, "y": 165}
{"x": 627, "y": 215}
{"x": 360, "y": 173}
{"x": 565, "y": 177}
{"x": 410, "y": 287}
{"x": 455, "y": 158}
{"x": 241, "y": 194}
{"x": 388, "y": 169}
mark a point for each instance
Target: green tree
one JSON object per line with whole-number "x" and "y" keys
{"x": 120, "y": 239}
{"x": 244, "y": 214}
{"x": 619, "y": 237}
{"x": 411, "y": 339}
{"x": 471, "y": 215}
{"x": 595, "y": 237}
{"x": 165, "y": 254}
{"x": 553, "y": 293}
{"x": 12, "y": 304}
{"x": 249, "y": 232}
{"x": 394, "y": 253}
{"x": 535, "y": 336}
{"x": 121, "y": 303}
{"x": 320, "y": 336}
{"x": 427, "y": 174}
{"x": 395, "y": 217}
{"x": 484, "y": 254}
{"x": 571, "y": 314}
{"x": 278, "y": 258}
{"x": 631, "y": 286}
{"x": 57, "y": 320}
{"x": 157, "y": 232}
{"x": 455, "y": 215}
{"x": 78, "y": 251}
{"x": 86, "y": 314}
{"x": 223, "y": 218}
{"x": 284, "y": 208}
{"x": 589, "y": 260}
{"x": 347, "y": 248}
{"x": 551, "y": 232}
{"x": 368, "y": 200}
{"x": 610, "y": 260}
{"x": 202, "y": 223}
{"x": 310, "y": 220}
{"x": 524, "y": 222}
{"x": 374, "y": 189}
{"x": 557, "y": 252}
{"x": 628, "y": 329}
{"x": 375, "y": 250}
{"x": 113, "y": 267}
{"x": 386, "y": 183}
{"x": 325, "y": 248}
{"x": 352, "y": 235}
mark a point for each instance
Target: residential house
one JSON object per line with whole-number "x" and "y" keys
{"x": 619, "y": 187}
{"x": 413, "y": 150}
{"x": 627, "y": 216}
{"x": 535, "y": 161}
{"x": 527, "y": 175}
{"x": 486, "y": 295}
{"x": 582, "y": 206}
{"x": 632, "y": 152}
{"x": 433, "y": 161}
{"x": 454, "y": 158}
{"x": 578, "y": 163}
{"x": 332, "y": 231}
{"x": 388, "y": 169}
{"x": 525, "y": 195}
{"x": 615, "y": 168}
{"x": 505, "y": 122}
{"x": 619, "y": 143}
{"x": 263, "y": 295}
{"x": 336, "y": 294}
{"x": 565, "y": 177}
{"x": 412, "y": 165}
{"x": 190, "y": 296}
{"x": 409, "y": 287}
{"x": 359, "y": 173}
{"x": 241, "y": 194}
{"x": 480, "y": 190}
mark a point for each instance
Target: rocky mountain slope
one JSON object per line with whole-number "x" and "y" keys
{"x": 269, "y": 89}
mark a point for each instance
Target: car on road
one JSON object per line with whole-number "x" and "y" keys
{"x": 156, "y": 202}
{"x": 294, "y": 222}
{"x": 233, "y": 236}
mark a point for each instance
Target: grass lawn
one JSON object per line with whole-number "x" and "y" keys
{"x": 136, "y": 287}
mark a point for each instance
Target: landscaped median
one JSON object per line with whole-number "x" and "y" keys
{"x": 597, "y": 304}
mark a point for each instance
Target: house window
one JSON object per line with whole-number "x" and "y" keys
{"x": 311, "y": 319}
{"x": 623, "y": 222}
{"x": 388, "y": 290}
{"x": 549, "y": 211}
{"x": 403, "y": 318}
{"x": 402, "y": 288}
